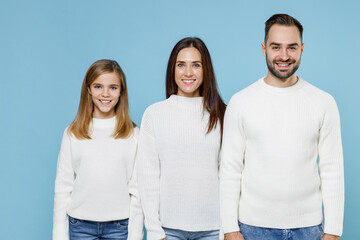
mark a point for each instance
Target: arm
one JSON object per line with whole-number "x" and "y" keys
{"x": 331, "y": 170}
{"x": 136, "y": 219}
{"x": 148, "y": 167}
{"x": 231, "y": 166}
{"x": 63, "y": 187}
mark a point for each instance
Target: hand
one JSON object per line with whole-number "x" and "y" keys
{"x": 234, "y": 236}
{"x": 330, "y": 237}
{"x": 163, "y": 239}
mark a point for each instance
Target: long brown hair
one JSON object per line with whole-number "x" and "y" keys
{"x": 212, "y": 101}
{"x": 124, "y": 126}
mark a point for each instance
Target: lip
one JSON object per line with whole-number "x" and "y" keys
{"x": 105, "y": 101}
{"x": 283, "y": 65}
{"x": 188, "y": 81}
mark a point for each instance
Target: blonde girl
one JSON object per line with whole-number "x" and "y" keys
{"x": 95, "y": 189}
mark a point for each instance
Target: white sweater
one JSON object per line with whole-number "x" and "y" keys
{"x": 178, "y": 167}
{"x": 269, "y": 175}
{"x": 95, "y": 180}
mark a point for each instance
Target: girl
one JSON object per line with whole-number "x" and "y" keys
{"x": 95, "y": 191}
{"x": 178, "y": 152}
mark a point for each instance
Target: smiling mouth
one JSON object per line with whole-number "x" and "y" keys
{"x": 105, "y": 101}
{"x": 188, "y": 81}
{"x": 283, "y": 64}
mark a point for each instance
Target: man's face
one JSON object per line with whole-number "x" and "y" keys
{"x": 283, "y": 50}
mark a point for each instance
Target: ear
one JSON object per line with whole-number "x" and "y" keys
{"x": 302, "y": 48}
{"x": 89, "y": 91}
{"x": 263, "y": 48}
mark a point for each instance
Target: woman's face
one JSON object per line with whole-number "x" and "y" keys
{"x": 105, "y": 93}
{"x": 188, "y": 72}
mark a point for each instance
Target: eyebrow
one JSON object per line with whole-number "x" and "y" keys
{"x": 192, "y": 61}
{"x": 278, "y": 44}
{"x": 110, "y": 84}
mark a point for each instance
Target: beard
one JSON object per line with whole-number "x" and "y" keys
{"x": 282, "y": 74}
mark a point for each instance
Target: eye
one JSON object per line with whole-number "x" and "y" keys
{"x": 97, "y": 86}
{"x": 197, "y": 65}
{"x": 276, "y": 48}
{"x": 292, "y": 48}
{"x": 113, "y": 88}
{"x": 180, "y": 65}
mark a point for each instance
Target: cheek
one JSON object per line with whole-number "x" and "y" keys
{"x": 116, "y": 94}
{"x": 178, "y": 73}
{"x": 200, "y": 74}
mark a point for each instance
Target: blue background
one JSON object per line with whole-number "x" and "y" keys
{"x": 47, "y": 46}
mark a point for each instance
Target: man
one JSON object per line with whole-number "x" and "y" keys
{"x": 282, "y": 154}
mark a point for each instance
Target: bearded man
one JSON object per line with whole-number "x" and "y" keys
{"x": 282, "y": 159}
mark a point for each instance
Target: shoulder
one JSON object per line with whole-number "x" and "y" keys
{"x": 244, "y": 94}
{"x": 157, "y": 107}
{"x": 67, "y": 137}
{"x": 318, "y": 96}
{"x": 136, "y": 133}
{"x": 67, "y": 133}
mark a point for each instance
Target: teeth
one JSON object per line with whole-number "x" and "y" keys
{"x": 283, "y": 65}
{"x": 188, "y": 81}
{"x": 105, "y": 101}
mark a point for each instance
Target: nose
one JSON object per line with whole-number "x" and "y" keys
{"x": 105, "y": 92}
{"x": 188, "y": 71}
{"x": 284, "y": 56}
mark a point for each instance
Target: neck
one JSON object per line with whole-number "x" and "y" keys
{"x": 103, "y": 115}
{"x": 280, "y": 83}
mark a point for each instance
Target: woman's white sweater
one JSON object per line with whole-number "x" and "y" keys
{"x": 178, "y": 167}
{"x": 95, "y": 180}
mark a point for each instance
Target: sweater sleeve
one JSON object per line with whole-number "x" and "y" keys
{"x": 148, "y": 166}
{"x": 331, "y": 170}
{"x": 231, "y": 166}
{"x": 63, "y": 187}
{"x": 136, "y": 220}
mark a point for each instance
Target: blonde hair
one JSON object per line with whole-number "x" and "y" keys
{"x": 124, "y": 126}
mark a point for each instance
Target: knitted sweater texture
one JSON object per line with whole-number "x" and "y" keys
{"x": 270, "y": 175}
{"x": 95, "y": 180}
{"x": 178, "y": 167}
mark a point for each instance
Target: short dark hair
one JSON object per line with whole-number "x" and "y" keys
{"x": 212, "y": 100}
{"x": 282, "y": 19}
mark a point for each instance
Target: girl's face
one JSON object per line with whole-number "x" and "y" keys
{"x": 188, "y": 72}
{"x": 105, "y": 93}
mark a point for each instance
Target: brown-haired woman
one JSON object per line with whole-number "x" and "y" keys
{"x": 178, "y": 152}
{"x": 95, "y": 190}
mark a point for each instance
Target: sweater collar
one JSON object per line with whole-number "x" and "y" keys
{"x": 104, "y": 123}
{"x": 187, "y": 101}
{"x": 299, "y": 84}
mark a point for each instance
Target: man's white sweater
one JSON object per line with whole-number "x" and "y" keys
{"x": 269, "y": 174}
{"x": 95, "y": 180}
{"x": 178, "y": 167}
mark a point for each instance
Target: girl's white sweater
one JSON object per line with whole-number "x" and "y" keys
{"x": 95, "y": 180}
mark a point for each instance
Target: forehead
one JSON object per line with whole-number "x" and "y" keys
{"x": 189, "y": 54}
{"x": 107, "y": 78}
{"x": 284, "y": 34}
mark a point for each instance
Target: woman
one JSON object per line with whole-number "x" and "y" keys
{"x": 178, "y": 152}
{"x": 95, "y": 192}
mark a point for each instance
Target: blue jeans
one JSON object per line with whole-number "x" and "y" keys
{"x": 176, "y": 234}
{"x": 90, "y": 230}
{"x": 259, "y": 233}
